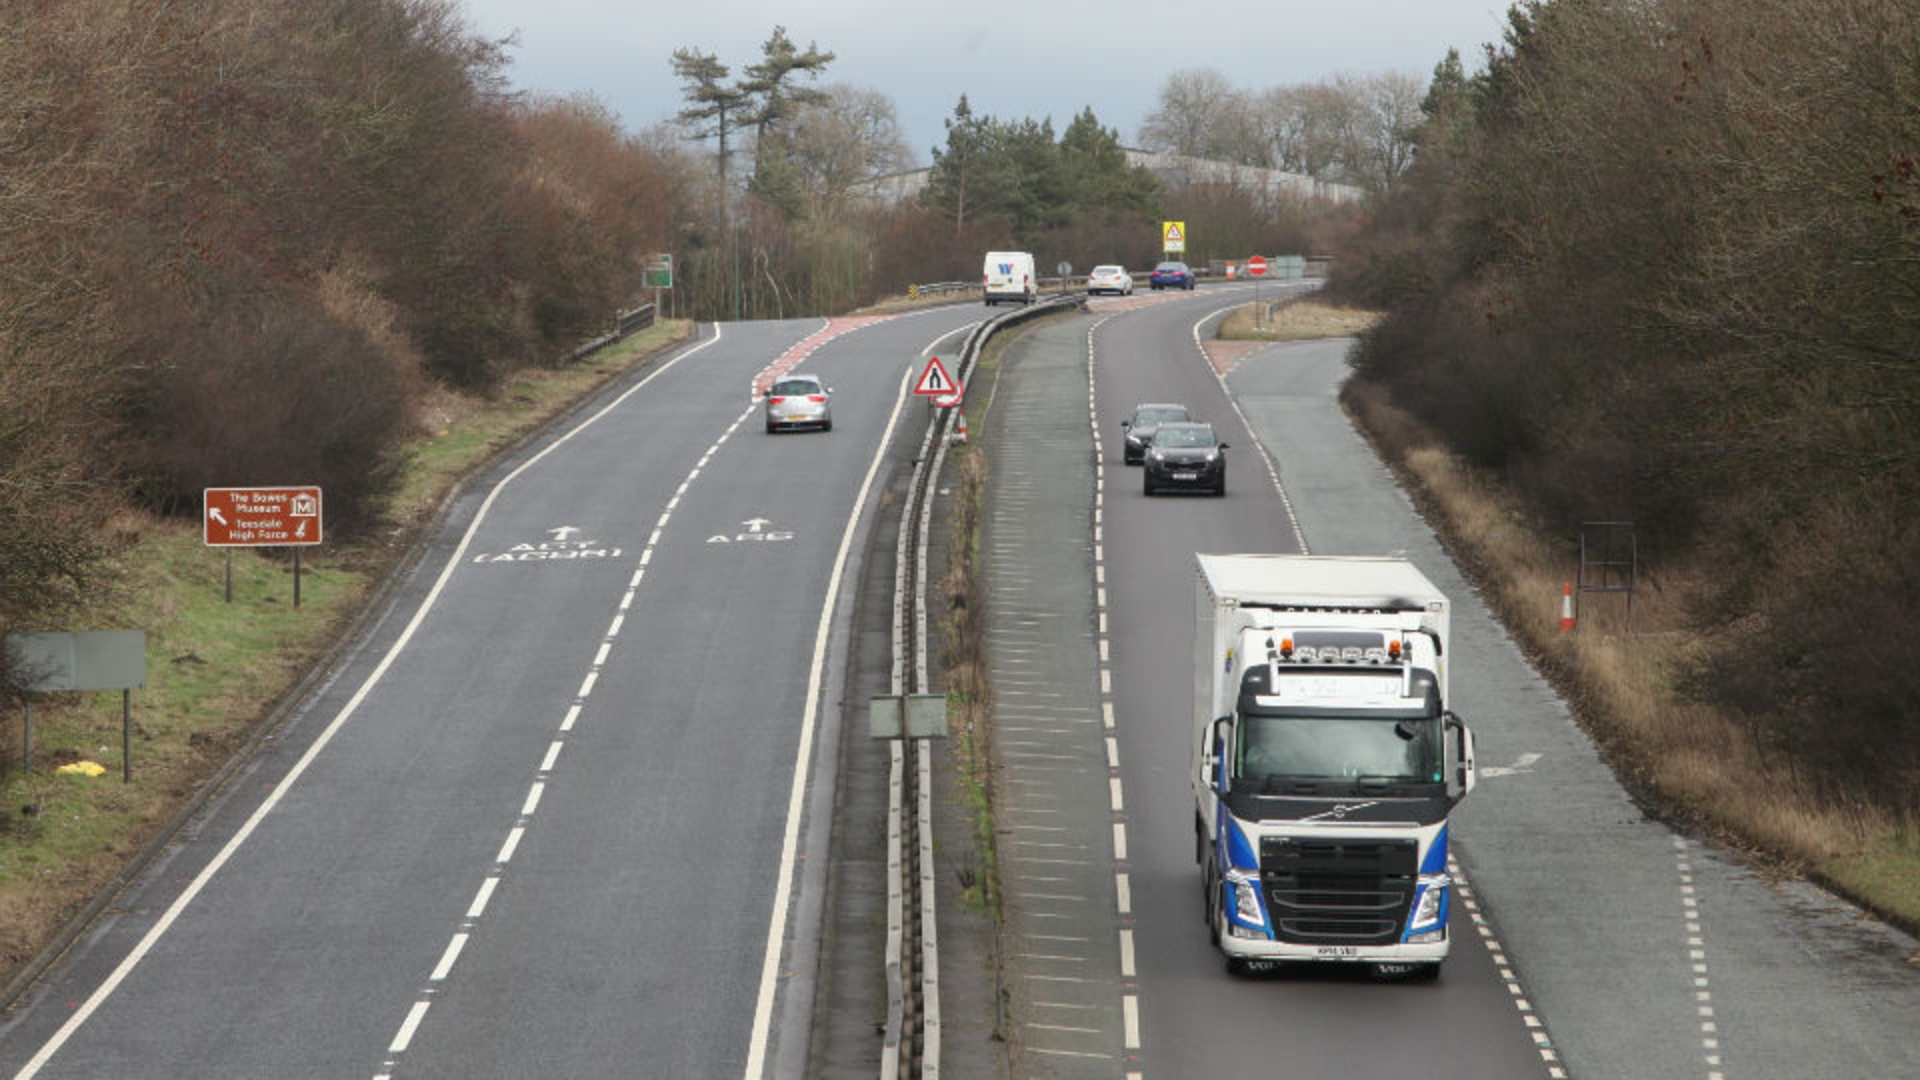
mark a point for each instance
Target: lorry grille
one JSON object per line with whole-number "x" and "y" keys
{"x": 1338, "y": 892}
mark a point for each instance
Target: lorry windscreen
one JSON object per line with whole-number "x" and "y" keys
{"x": 1273, "y": 752}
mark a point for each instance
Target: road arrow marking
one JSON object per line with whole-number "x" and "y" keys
{"x": 1521, "y": 764}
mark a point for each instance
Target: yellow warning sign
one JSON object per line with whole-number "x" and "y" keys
{"x": 1173, "y": 236}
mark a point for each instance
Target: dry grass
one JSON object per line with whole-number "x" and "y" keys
{"x": 1687, "y": 762}
{"x": 1296, "y": 320}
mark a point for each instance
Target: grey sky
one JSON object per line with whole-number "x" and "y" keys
{"x": 1013, "y": 60}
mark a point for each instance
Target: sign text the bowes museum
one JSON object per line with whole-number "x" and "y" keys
{"x": 261, "y": 517}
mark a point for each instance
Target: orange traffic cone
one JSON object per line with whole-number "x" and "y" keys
{"x": 960, "y": 431}
{"x": 1566, "y": 607}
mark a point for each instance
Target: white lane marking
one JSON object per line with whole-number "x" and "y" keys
{"x": 1697, "y": 958}
{"x": 445, "y": 966}
{"x": 404, "y": 1037}
{"x": 1122, "y": 879}
{"x": 796, "y": 794}
{"x": 1521, "y": 764}
{"x": 1273, "y": 467}
{"x": 1536, "y": 1028}
{"x": 511, "y": 844}
{"x": 481, "y": 898}
{"x": 174, "y": 910}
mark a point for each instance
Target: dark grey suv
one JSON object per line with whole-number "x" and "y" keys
{"x": 1141, "y": 425}
{"x": 1185, "y": 457}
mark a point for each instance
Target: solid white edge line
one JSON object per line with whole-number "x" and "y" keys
{"x": 796, "y": 796}
{"x": 160, "y": 927}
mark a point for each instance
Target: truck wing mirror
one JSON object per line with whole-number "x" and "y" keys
{"x": 1464, "y": 771}
{"x": 1217, "y": 754}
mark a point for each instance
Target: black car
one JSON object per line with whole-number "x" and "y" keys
{"x": 1141, "y": 426}
{"x": 1186, "y": 456}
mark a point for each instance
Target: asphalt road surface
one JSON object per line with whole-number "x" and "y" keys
{"x": 563, "y": 809}
{"x": 560, "y": 812}
{"x": 1595, "y": 942}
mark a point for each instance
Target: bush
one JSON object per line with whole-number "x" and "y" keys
{"x": 268, "y": 393}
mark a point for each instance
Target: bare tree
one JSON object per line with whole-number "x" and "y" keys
{"x": 850, "y": 137}
{"x": 1394, "y": 117}
{"x": 1188, "y": 121}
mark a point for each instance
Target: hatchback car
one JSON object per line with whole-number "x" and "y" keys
{"x": 1172, "y": 275}
{"x": 1139, "y": 428}
{"x": 799, "y": 401}
{"x": 1110, "y": 279}
{"x": 1185, "y": 456}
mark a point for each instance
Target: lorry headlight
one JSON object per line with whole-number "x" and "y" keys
{"x": 1246, "y": 897}
{"x": 1430, "y": 909}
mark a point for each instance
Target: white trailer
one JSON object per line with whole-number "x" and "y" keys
{"x": 1325, "y": 760}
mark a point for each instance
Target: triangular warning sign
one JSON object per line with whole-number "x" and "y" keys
{"x": 934, "y": 380}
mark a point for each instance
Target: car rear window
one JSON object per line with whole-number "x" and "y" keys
{"x": 1184, "y": 437}
{"x": 787, "y": 387}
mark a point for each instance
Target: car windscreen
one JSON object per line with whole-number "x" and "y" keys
{"x": 1183, "y": 437}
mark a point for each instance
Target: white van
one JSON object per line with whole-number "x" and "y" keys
{"x": 1008, "y": 275}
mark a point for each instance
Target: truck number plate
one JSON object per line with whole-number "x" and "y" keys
{"x": 1337, "y": 952}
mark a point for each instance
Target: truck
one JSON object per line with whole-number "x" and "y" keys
{"x": 1325, "y": 761}
{"x": 1008, "y": 276}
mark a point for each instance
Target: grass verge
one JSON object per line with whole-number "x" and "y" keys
{"x": 1618, "y": 669}
{"x": 1302, "y": 319}
{"x": 964, "y": 670}
{"x": 218, "y": 670}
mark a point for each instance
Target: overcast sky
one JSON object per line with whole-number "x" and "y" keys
{"x": 1013, "y": 59}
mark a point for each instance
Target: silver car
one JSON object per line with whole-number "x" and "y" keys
{"x": 1113, "y": 279}
{"x": 799, "y": 401}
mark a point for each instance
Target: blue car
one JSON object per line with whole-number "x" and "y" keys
{"x": 1171, "y": 275}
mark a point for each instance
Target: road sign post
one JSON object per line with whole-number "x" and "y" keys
{"x": 261, "y": 517}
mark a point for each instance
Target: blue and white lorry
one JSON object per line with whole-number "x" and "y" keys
{"x": 1325, "y": 761}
